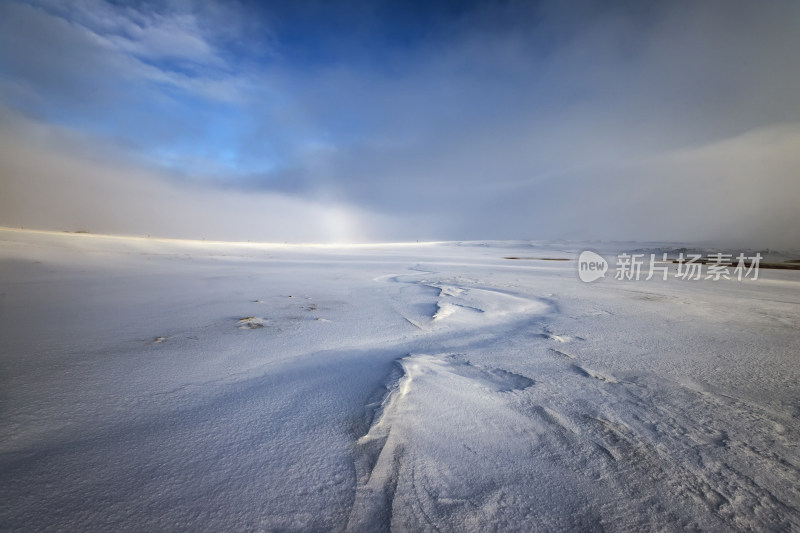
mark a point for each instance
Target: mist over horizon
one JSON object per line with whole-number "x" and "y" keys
{"x": 388, "y": 121}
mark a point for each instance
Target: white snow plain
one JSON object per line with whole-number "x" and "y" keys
{"x": 153, "y": 385}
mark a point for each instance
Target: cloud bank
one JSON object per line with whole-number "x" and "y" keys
{"x": 392, "y": 121}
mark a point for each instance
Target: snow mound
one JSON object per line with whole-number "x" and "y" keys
{"x": 251, "y": 322}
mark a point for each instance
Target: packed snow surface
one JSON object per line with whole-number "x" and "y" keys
{"x": 153, "y": 385}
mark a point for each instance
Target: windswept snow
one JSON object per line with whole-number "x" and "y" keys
{"x": 159, "y": 385}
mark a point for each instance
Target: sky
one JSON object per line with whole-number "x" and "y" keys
{"x": 351, "y": 121}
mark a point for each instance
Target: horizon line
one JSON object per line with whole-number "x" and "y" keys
{"x": 148, "y": 238}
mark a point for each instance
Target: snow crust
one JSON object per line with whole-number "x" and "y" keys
{"x": 174, "y": 385}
